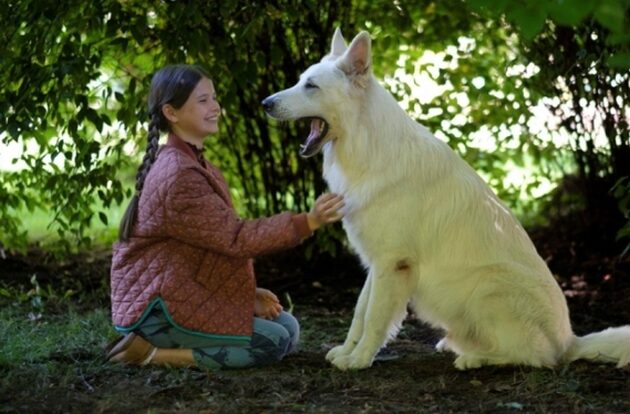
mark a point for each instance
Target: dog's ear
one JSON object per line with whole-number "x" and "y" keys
{"x": 356, "y": 61}
{"x": 338, "y": 45}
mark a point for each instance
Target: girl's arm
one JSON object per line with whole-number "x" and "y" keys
{"x": 196, "y": 214}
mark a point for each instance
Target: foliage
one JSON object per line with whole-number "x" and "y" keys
{"x": 583, "y": 51}
{"x": 621, "y": 191}
{"x": 595, "y": 108}
{"x": 56, "y": 99}
{"x": 531, "y": 17}
{"x": 75, "y": 77}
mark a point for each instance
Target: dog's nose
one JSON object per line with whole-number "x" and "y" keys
{"x": 268, "y": 103}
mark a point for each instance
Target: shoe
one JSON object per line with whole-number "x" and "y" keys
{"x": 131, "y": 349}
{"x": 386, "y": 354}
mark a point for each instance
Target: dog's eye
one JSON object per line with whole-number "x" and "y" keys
{"x": 311, "y": 85}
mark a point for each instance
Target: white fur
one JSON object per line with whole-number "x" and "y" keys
{"x": 431, "y": 233}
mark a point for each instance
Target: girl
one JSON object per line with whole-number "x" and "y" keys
{"x": 182, "y": 281}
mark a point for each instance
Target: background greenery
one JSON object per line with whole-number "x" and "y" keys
{"x": 74, "y": 78}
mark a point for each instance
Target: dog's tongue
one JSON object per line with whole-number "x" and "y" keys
{"x": 312, "y": 143}
{"x": 316, "y": 127}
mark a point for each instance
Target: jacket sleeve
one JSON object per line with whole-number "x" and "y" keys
{"x": 197, "y": 215}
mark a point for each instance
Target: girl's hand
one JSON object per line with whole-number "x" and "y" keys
{"x": 326, "y": 210}
{"x": 266, "y": 305}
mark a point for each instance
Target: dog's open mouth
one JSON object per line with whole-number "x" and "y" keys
{"x": 316, "y": 138}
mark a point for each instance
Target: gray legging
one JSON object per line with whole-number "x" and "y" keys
{"x": 270, "y": 342}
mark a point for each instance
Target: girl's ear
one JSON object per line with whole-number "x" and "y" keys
{"x": 169, "y": 113}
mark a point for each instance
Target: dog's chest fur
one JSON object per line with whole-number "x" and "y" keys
{"x": 372, "y": 218}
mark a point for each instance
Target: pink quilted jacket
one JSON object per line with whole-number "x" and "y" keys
{"x": 189, "y": 251}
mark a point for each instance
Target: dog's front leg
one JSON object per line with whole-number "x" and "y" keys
{"x": 356, "y": 327}
{"x": 386, "y": 308}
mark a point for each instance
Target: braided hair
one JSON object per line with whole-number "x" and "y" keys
{"x": 172, "y": 85}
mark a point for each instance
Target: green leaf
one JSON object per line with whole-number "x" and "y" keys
{"x": 495, "y": 6}
{"x": 530, "y": 19}
{"x": 570, "y": 12}
{"x": 619, "y": 60}
{"x": 92, "y": 115}
{"x": 611, "y": 14}
{"x": 618, "y": 38}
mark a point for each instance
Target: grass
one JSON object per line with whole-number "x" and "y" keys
{"x": 51, "y": 360}
{"x": 40, "y": 231}
{"x": 32, "y": 337}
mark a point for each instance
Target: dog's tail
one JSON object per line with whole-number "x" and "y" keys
{"x": 609, "y": 345}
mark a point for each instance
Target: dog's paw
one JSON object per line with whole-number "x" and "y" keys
{"x": 336, "y": 352}
{"x": 442, "y": 345}
{"x": 351, "y": 362}
{"x": 463, "y": 362}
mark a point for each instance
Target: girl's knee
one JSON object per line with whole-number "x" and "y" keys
{"x": 273, "y": 340}
{"x": 271, "y": 348}
{"x": 291, "y": 324}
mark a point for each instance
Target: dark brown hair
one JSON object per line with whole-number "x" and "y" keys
{"x": 170, "y": 85}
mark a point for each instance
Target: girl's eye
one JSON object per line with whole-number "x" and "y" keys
{"x": 310, "y": 85}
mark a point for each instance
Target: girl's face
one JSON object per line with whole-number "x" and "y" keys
{"x": 199, "y": 116}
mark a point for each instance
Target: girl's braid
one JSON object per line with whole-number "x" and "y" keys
{"x": 150, "y": 154}
{"x": 128, "y": 220}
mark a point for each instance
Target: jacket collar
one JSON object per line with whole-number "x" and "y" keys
{"x": 215, "y": 178}
{"x": 180, "y": 144}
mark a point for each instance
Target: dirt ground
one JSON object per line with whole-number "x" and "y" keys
{"x": 419, "y": 380}
{"x": 411, "y": 378}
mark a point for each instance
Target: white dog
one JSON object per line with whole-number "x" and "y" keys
{"x": 430, "y": 231}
